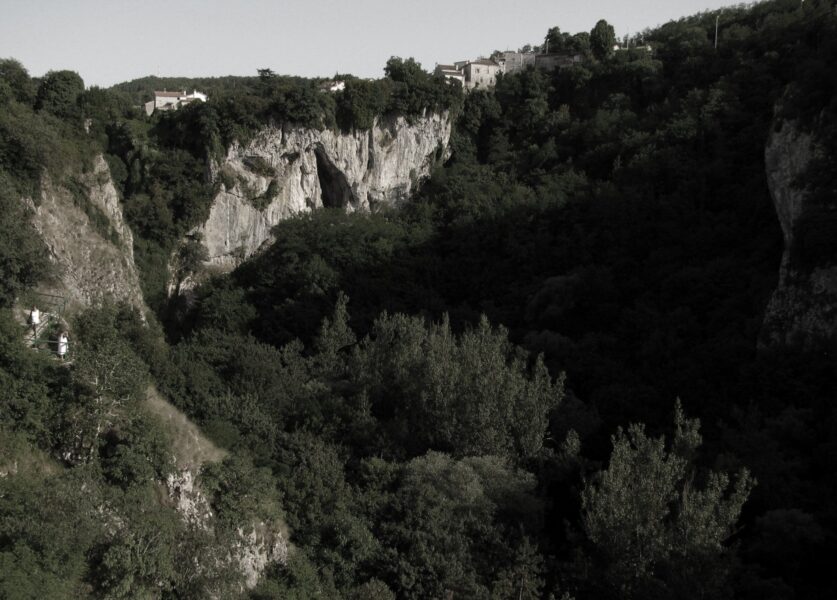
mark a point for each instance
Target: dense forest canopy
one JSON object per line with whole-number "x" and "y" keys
{"x": 541, "y": 378}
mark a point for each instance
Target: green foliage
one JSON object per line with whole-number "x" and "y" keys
{"x": 136, "y": 452}
{"x": 260, "y": 166}
{"x": 469, "y": 395}
{"x": 444, "y": 517}
{"x": 335, "y": 336}
{"x": 322, "y": 509}
{"x": 15, "y": 83}
{"x": 558, "y": 42}
{"x": 108, "y": 382}
{"x": 295, "y": 282}
{"x": 47, "y": 525}
{"x": 658, "y": 532}
{"x": 298, "y": 580}
{"x": 190, "y": 257}
{"x": 141, "y": 561}
{"x": 32, "y": 142}
{"x": 25, "y": 404}
{"x": 602, "y": 39}
{"x": 59, "y": 93}
{"x": 240, "y": 492}
{"x": 361, "y": 102}
{"x": 554, "y": 41}
{"x": 23, "y": 256}
{"x": 223, "y": 307}
{"x": 263, "y": 200}
{"x": 105, "y": 361}
{"x": 523, "y": 578}
{"x": 414, "y": 90}
{"x": 269, "y": 384}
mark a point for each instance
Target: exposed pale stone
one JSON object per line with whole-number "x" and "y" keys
{"x": 261, "y": 547}
{"x": 189, "y": 500}
{"x": 89, "y": 268}
{"x": 356, "y": 170}
{"x": 803, "y": 308}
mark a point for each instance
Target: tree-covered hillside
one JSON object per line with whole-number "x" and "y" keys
{"x": 544, "y": 377}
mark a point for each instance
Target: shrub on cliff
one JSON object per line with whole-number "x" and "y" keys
{"x": 24, "y": 258}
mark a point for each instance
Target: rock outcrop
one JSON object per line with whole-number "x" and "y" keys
{"x": 287, "y": 170}
{"x": 91, "y": 247}
{"x": 90, "y": 244}
{"x": 259, "y": 548}
{"x": 803, "y": 309}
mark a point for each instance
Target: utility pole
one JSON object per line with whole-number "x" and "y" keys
{"x": 717, "y": 18}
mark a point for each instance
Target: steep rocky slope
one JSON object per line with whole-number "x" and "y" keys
{"x": 89, "y": 242}
{"x": 91, "y": 247}
{"x": 286, "y": 170}
{"x": 259, "y": 544}
{"x": 803, "y": 308}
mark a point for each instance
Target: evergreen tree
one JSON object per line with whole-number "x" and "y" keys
{"x": 659, "y": 525}
{"x": 602, "y": 39}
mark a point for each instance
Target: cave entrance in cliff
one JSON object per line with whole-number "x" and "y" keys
{"x": 335, "y": 188}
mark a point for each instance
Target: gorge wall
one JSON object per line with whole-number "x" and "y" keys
{"x": 286, "y": 170}
{"x": 90, "y": 244}
{"x": 91, "y": 248}
{"x": 803, "y": 308}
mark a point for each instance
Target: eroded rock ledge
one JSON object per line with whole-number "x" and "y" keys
{"x": 803, "y": 309}
{"x": 287, "y": 170}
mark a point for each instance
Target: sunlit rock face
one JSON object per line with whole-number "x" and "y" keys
{"x": 89, "y": 242}
{"x": 287, "y": 170}
{"x": 803, "y": 309}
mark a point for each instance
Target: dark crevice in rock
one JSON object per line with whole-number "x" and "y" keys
{"x": 336, "y": 190}
{"x": 370, "y": 162}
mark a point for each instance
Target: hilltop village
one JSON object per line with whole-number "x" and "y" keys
{"x": 482, "y": 73}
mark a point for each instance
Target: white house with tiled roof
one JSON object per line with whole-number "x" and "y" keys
{"x": 450, "y": 72}
{"x": 172, "y": 100}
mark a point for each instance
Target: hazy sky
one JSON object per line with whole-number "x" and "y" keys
{"x": 108, "y": 41}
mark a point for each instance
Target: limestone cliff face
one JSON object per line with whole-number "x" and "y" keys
{"x": 89, "y": 242}
{"x": 91, "y": 247}
{"x": 287, "y": 170}
{"x": 803, "y": 308}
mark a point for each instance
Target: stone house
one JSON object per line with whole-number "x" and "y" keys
{"x": 472, "y": 74}
{"x": 512, "y": 62}
{"x": 558, "y": 60}
{"x": 172, "y": 100}
{"x": 481, "y": 73}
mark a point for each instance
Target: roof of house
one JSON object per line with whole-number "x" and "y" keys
{"x": 485, "y": 61}
{"x": 169, "y": 94}
{"x": 446, "y": 67}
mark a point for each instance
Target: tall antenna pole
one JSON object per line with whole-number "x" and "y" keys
{"x": 717, "y": 17}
